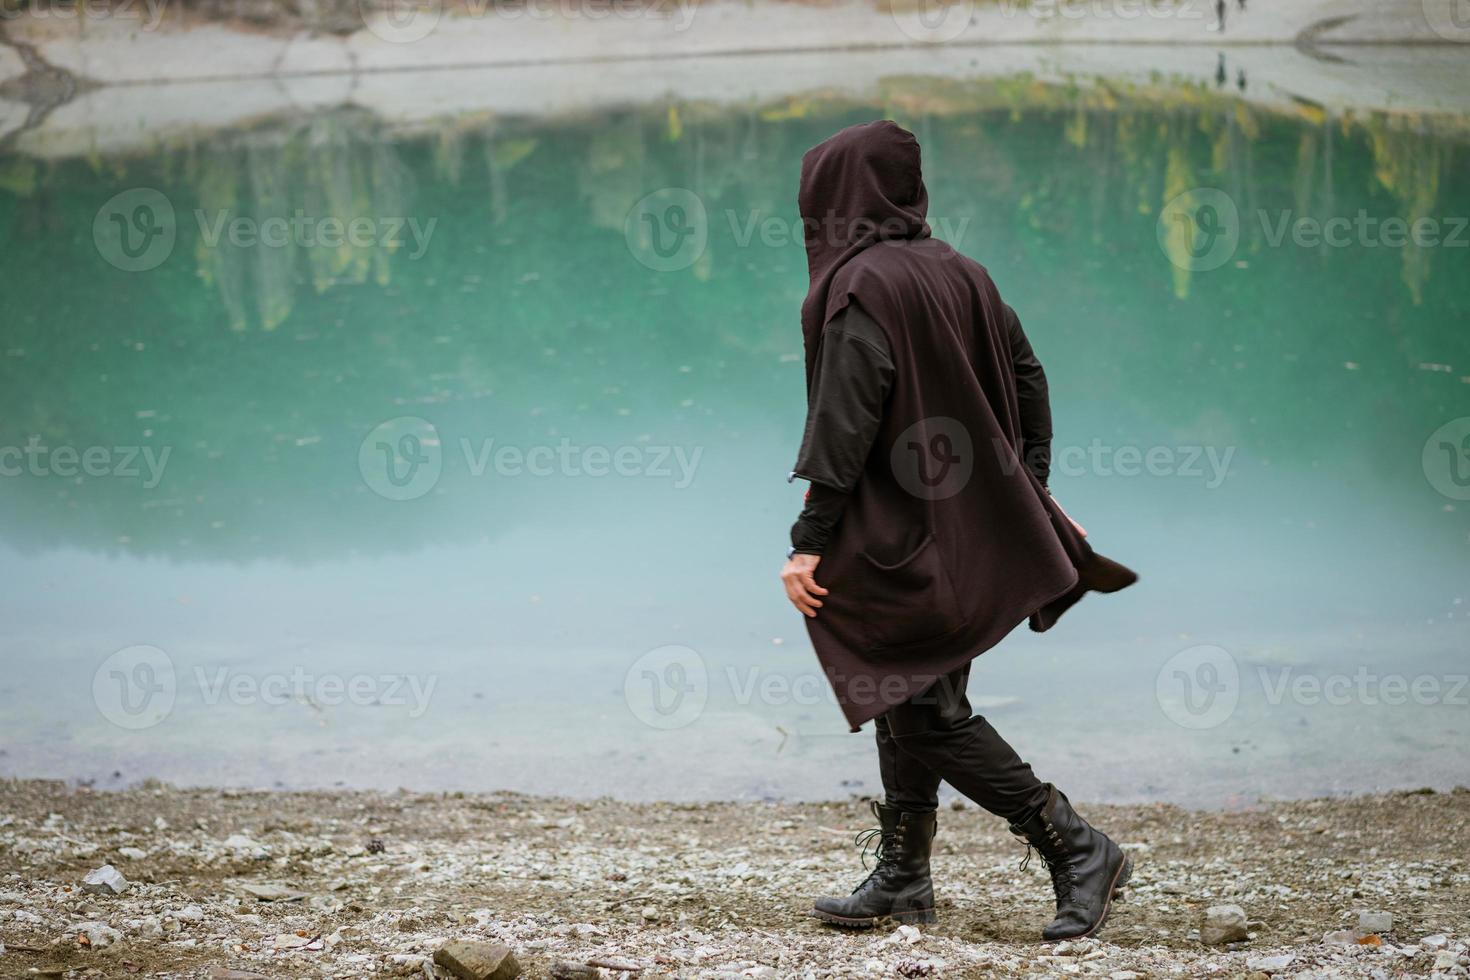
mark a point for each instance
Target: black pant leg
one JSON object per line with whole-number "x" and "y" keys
{"x": 937, "y": 729}
{"x": 908, "y": 783}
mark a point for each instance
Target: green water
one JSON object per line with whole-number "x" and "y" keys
{"x": 604, "y": 397}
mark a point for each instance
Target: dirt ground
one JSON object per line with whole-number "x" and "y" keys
{"x": 352, "y": 884}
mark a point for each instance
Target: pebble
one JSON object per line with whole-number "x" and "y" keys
{"x": 1375, "y": 922}
{"x": 271, "y": 892}
{"x": 1223, "y": 924}
{"x": 98, "y": 935}
{"x": 1270, "y": 964}
{"x": 132, "y": 853}
{"x": 903, "y": 935}
{"x": 244, "y": 846}
{"x": 478, "y": 961}
{"x": 567, "y": 970}
{"x": 106, "y": 880}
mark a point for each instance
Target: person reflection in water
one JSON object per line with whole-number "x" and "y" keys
{"x": 928, "y": 532}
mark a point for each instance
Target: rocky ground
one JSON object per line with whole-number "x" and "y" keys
{"x": 347, "y": 884}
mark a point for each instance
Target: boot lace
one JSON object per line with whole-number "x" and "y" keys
{"x": 885, "y": 849}
{"x": 1054, "y": 858}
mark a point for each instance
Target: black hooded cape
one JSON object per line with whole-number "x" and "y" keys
{"x": 948, "y": 541}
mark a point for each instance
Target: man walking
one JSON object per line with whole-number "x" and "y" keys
{"x": 928, "y": 532}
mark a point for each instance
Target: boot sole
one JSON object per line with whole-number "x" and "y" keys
{"x": 910, "y": 918}
{"x": 1125, "y": 872}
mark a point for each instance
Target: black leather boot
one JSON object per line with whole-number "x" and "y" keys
{"x": 1086, "y": 867}
{"x": 899, "y": 887}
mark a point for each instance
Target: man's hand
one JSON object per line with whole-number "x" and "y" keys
{"x": 801, "y": 587}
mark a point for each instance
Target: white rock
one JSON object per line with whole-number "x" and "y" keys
{"x": 189, "y": 913}
{"x": 244, "y": 846}
{"x": 1342, "y": 937}
{"x": 905, "y": 935}
{"x": 132, "y": 853}
{"x": 289, "y": 940}
{"x": 1223, "y": 924}
{"x": 1445, "y": 960}
{"x": 98, "y": 934}
{"x": 1434, "y": 942}
{"x": 1375, "y": 922}
{"x": 1270, "y": 964}
{"x": 106, "y": 880}
{"x": 149, "y": 927}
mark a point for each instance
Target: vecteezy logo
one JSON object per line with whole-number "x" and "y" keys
{"x": 135, "y": 230}
{"x": 1198, "y": 687}
{"x": 934, "y": 458}
{"x": 932, "y": 21}
{"x": 135, "y": 687}
{"x": 667, "y": 230}
{"x": 1446, "y": 459}
{"x": 1199, "y": 229}
{"x": 400, "y": 21}
{"x": 667, "y": 688}
{"x": 1450, "y": 19}
{"x": 401, "y": 459}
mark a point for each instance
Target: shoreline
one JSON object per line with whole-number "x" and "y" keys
{"x": 119, "y": 82}
{"x": 358, "y": 883}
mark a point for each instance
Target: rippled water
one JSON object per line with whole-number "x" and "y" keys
{"x": 482, "y": 485}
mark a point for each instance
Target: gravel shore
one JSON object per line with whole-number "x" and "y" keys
{"x": 351, "y": 884}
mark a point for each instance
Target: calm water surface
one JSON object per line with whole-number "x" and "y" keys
{"x": 494, "y": 497}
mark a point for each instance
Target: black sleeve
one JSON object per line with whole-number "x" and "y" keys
{"x": 1034, "y": 399}
{"x": 845, "y": 407}
{"x": 819, "y": 518}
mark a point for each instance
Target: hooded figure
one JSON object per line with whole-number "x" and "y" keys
{"x": 929, "y": 533}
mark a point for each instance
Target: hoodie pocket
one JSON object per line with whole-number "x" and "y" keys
{"x": 909, "y": 601}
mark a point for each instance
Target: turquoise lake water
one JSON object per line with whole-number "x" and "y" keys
{"x": 335, "y": 455}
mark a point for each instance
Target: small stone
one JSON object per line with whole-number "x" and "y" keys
{"x": 106, "y": 880}
{"x": 289, "y": 940}
{"x": 1375, "y": 922}
{"x": 567, "y": 970}
{"x": 956, "y": 804}
{"x": 650, "y": 914}
{"x": 478, "y": 961}
{"x": 616, "y": 964}
{"x": 270, "y": 892}
{"x": 132, "y": 853}
{"x": 190, "y": 913}
{"x": 225, "y": 973}
{"x": 1445, "y": 960}
{"x": 1223, "y": 924}
{"x": 244, "y": 846}
{"x": 1434, "y": 942}
{"x": 1342, "y": 937}
{"x": 97, "y": 935}
{"x": 903, "y": 935}
{"x": 1270, "y": 964}
{"x": 1124, "y": 975}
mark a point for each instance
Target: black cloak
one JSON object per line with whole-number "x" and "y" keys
{"x": 948, "y": 541}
